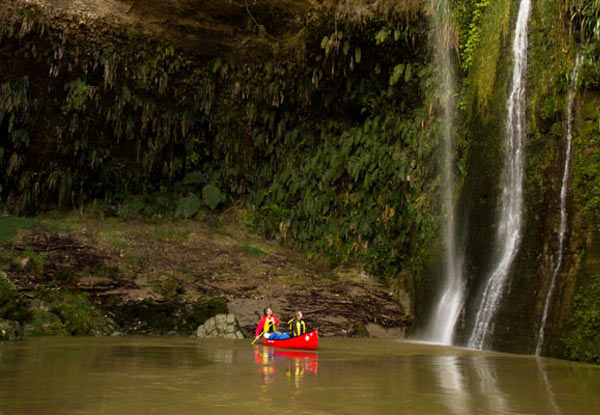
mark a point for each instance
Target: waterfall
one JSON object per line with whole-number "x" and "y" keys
{"x": 563, "y": 205}
{"x": 441, "y": 326}
{"x": 508, "y": 236}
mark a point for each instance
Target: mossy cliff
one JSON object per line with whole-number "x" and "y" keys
{"x": 555, "y": 40}
{"x": 319, "y": 119}
{"x": 320, "y": 122}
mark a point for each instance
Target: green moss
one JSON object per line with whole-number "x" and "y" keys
{"x": 253, "y": 250}
{"x": 170, "y": 287}
{"x": 10, "y": 227}
{"x": 35, "y": 262}
{"x": 45, "y": 323}
{"x": 586, "y": 160}
{"x": 76, "y": 312}
{"x": 582, "y": 338}
{"x": 8, "y": 295}
{"x": 119, "y": 243}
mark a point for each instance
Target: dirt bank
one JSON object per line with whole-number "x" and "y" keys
{"x": 141, "y": 274}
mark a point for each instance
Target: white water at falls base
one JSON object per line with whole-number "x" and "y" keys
{"x": 563, "y": 206}
{"x": 508, "y": 237}
{"x": 441, "y": 326}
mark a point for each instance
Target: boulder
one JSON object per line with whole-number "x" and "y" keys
{"x": 222, "y": 325}
{"x": 210, "y": 324}
{"x": 201, "y": 332}
{"x": 10, "y": 330}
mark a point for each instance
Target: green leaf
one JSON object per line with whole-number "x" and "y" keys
{"x": 407, "y": 73}
{"x": 346, "y": 48}
{"x": 217, "y": 65}
{"x": 188, "y": 206}
{"x": 212, "y": 196}
{"x": 357, "y": 55}
{"x": 398, "y": 70}
{"x": 195, "y": 177}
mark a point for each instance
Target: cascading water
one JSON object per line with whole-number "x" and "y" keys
{"x": 508, "y": 236}
{"x": 445, "y": 315}
{"x": 563, "y": 206}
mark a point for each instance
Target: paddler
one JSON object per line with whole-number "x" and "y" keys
{"x": 297, "y": 325}
{"x": 267, "y": 327}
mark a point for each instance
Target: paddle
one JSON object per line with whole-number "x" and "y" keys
{"x": 257, "y": 337}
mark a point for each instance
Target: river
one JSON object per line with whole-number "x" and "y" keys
{"x": 169, "y": 375}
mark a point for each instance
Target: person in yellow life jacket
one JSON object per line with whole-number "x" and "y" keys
{"x": 297, "y": 325}
{"x": 267, "y": 327}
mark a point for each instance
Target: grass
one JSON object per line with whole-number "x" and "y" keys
{"x": 252, "y": 250}
{"x": 119, "y": 243}
{"x": 10, "y": 227}
{"x": 166, "y": 233}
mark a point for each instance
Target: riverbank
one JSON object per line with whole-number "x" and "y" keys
{"x": 83, "y": 273}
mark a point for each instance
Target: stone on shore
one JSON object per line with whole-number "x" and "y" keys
{"x": 10, "y": 330}
{"x": 222, "y": 325}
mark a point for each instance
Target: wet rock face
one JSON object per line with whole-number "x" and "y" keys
{"x": 221, "y": 325}
{"x": 10, "y": 330}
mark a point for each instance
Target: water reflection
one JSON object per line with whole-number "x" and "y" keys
{"x": 548, "y": 387}
{"x": 297, "y": 363}
{"x": 452, "y": 383}
{"x": 187, "y": 376}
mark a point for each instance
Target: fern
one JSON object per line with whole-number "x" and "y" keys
{"x": 212, "y": 196}
{"x": 195, "y": 177}
{"x": 188, "y": 206}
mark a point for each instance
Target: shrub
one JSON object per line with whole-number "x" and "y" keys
{"x": 188, "y": 206}
{"x": 78, "y": 315}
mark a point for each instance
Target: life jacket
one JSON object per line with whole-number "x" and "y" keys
{"x": 297, "y": 327}
{"x": 269, "y": 326}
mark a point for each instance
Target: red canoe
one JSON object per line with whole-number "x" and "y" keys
{"x": 308, "y": 341}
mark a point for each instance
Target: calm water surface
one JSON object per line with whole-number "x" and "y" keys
{"x": 134, "y": 375}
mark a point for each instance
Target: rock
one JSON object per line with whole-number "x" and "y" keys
{"x": 10, "y": 330}
{"x": 222, "y": 325}
{"x": 116, "y": 334}
{"x": 210, "y": 323}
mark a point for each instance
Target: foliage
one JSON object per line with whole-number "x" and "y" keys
{"x": 11, "y": 225}
{"x": 35, "y": 262}
{"x": 76, "y": 312}
{"x": 188, "y": 206}
{"x": 585, "y": 17}
{"x": 333, "y": 151}
{"x": 132, "y": 209}
{"x": 582, "y": 335}
{"x": 8, "y": 295}
{"x": 194, "y": 177}
{"x": 45, "y": 323}
{"x": 586, "y": 163}
{"x": 484, "y": 27}
{"x": 211, "y": 195}
{"x": 253, "y": 250}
